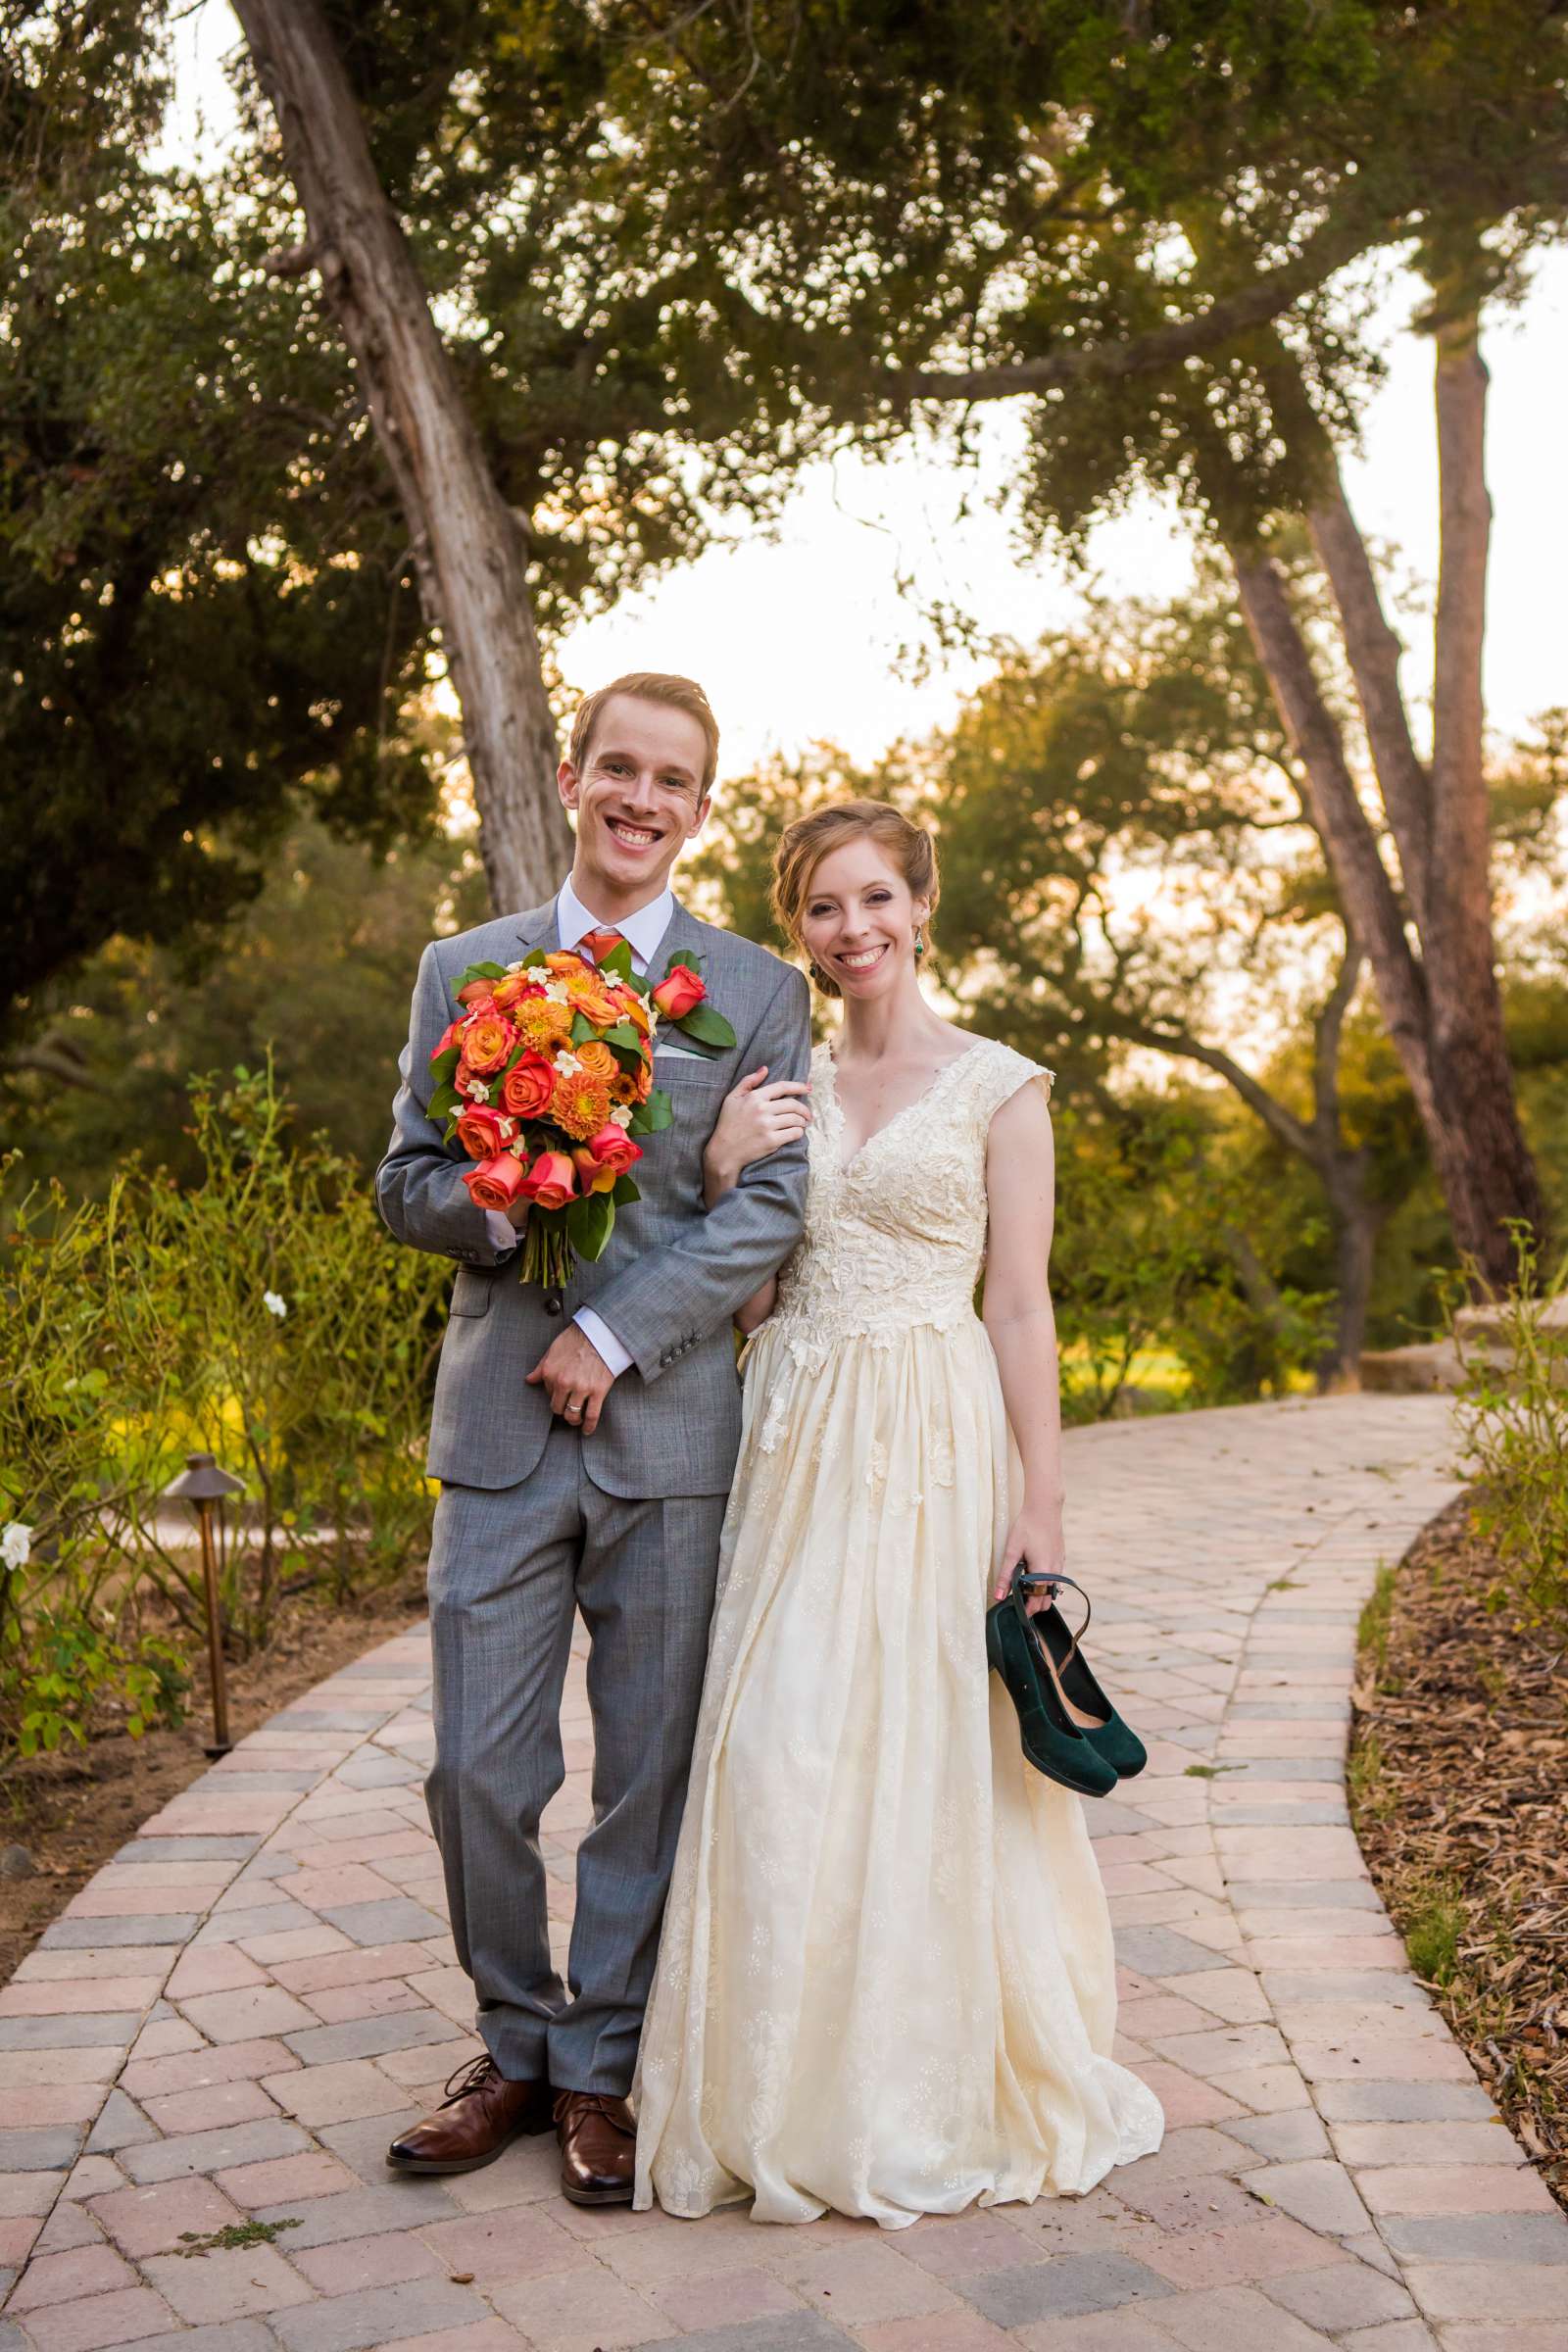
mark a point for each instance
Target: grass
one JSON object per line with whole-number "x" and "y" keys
{"x": 1435, "y": 1919}
{"x": 1370, "y": 1792}
{"x": 1377, "y": 1617}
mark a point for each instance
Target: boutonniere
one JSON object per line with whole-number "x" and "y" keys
{"x": 681, "y": 998}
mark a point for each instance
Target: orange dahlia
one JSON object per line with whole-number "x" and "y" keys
{"x": 542, "y": 1023}
{"x": 580, "y": 1103}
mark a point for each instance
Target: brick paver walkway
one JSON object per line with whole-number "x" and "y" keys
{"x": 234, "y": 2016}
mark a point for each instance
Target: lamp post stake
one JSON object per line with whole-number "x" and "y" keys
{"x": 203, "y": 1484}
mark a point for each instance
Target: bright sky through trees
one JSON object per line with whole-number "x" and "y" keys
{"x": 809, "y": 636}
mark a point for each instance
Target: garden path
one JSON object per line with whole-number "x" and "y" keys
{"x": 233, "y": 2018}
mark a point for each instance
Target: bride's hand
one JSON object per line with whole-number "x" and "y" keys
{"x": 755, "y": 1119}
{"x": 1037, "y": 1538}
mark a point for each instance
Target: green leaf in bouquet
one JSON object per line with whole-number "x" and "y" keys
{"x": 582, "y": 1029}
{"x": 624, "y": 1193}
{"x": 705, "y": 1025}
{"x": 690, "y": 957}
{"x": 480, "y": 972}
{"x": 444, "y": 1064}
{"x": 653, "y": 1116}
{"x": 630, "y": 1057}
{"x": 617, "y": 961}
{"x": 625, "y": 1034}
{"x": 443, "y": 1103}
{"x": 534, "y": 958}
{"x": 590, "y": 1223}
{"x": 637, "y": 980}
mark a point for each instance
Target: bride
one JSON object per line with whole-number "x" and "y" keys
{"x": 886, "y": 1985}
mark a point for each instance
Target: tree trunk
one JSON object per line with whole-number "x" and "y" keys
{"x": 468, "y": 550}
{"x": 1356, "y": 1222}
{"x": 1374, "y": 652}
{"x": 1469, "y": 1048}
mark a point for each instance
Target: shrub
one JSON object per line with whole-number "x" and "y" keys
{"x": 261, "y": 1314}
{"x": 1512, "y": 1411}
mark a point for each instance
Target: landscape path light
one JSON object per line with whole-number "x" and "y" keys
{"x": 203, "y": 1486}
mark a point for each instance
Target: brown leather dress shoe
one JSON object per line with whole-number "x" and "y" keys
{"x": 597, "y": 2147}
{"x": 481, "y": 2113}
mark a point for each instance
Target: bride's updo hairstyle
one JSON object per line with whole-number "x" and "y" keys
{"x": 804, "y": 845}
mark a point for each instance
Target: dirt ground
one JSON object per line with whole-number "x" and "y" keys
{"x": 73, "y": 1811}
{"x": 1459, "y": 1794}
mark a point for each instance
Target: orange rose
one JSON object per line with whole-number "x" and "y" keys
{"x": 680, "y": 992}
{"x": 497, "y": 1184}
{"x": 450, "y": 1035}
{"x": 490, "y": 1038}
{"x": 478, "y": 993}
{"x": 551, "y": 1181}
{"x": 479, "y": 1131}
{"x": 597, "y": 1060}
{"x": 517, "y": 988}
{"x": 564, "y": 959}
{"x": 580, "y": 1104}
{"x": 594, "y": 1001}
{"x": 527, "y": 1087}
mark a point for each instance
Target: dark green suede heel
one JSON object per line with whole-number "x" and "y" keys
{"x": 1113, "y": 1738}
{"x": 1051, "y": 1741}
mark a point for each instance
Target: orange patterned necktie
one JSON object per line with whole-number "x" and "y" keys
{"x": 597, "y": 945}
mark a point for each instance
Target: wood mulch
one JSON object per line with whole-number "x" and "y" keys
{"x": 72, "y": 1810}
{"x": 1459, "y": 1794}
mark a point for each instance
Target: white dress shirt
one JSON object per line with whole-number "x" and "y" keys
{"x": 642, "y": 932}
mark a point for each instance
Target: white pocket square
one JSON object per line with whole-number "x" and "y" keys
{"x": 686, "y": 1052}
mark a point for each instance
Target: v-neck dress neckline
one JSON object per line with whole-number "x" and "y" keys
{"x": 843, "y": 1166}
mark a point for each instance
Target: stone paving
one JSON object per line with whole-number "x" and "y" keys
{"x": 230, "y": 2023}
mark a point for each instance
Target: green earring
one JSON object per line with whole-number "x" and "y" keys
{"x": 919, "y": 946}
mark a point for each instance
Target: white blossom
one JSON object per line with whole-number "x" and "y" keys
{"x": 16, "y": 1545}
{"x": 622, "y": 1115}
{"x": 274, "y": 1304}
{"x": 566, "y": 1065}
{"x": 477, "y": 1090}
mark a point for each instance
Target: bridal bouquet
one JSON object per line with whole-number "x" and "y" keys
{"x": 546, "y": 1080}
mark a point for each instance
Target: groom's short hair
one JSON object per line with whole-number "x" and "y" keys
{"x": 649, "y": 686}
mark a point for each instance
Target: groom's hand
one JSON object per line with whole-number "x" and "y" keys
{"x": 576, "y": 1380}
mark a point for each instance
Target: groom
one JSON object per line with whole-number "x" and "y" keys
{"x": 585, "y": 1459}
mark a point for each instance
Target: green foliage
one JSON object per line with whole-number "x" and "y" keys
{"x": 1376, "y": 1622}
{"x": 316, "y": 971}
{"x": 1434, "y": 1917}
{"x": 261, "y": 1313}
{"x": 1512, "y": 1413}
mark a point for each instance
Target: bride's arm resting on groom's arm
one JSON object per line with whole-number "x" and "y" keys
{"x": 756, "y": 1120}
{"x": 1021, "y": 1188}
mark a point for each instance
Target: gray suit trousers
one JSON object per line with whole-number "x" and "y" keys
{"x": 510, "y": 1566}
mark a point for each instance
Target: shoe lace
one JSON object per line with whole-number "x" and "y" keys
{"x": 470, "y": 2078}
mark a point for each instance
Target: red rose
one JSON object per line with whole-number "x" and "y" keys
{"x": 680, "y": 992}
{"x": 488, "y": 1039}
{"x": 527, "y": 1087}
{"x": 450, "y": 1035}
{"x": 614, "y": 1148}
{"x": 479, "y": 1133}
{"x": 607, "y": 1155}
{"x": 497, "y": 1184}
{"x": 552, "y": 1181}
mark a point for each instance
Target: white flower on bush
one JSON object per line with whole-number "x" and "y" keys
{"x": 16, "y": 1545}
{"x": 274, "y": 1305}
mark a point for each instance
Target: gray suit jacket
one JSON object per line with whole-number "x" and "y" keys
{"x": 672, "y": 1276}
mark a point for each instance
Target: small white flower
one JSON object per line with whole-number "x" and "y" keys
{"x": 620, "y": 1117}
{"x": 274, "y": 1305}
{"x": 566, "y": 1065}
{"x": 477, "y": 1090}
{"x": 16, "y": 1545}
{"x": 556, "y": 991}
{"x": 506, "y": 1127}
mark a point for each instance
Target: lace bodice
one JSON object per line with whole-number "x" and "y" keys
{"x": 894, "y": 1236}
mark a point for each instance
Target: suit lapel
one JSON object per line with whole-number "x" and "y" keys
{"x": 683, "y": 936}
{"x": 540, "y": 927}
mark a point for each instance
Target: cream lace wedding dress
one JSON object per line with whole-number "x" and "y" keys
{"x": 886, "y": 1984}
